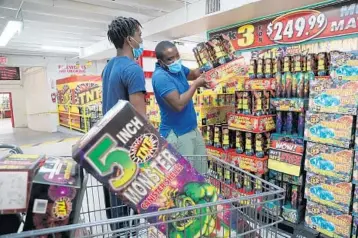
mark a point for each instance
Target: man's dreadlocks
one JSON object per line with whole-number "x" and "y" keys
{"x": 120, "y": 28}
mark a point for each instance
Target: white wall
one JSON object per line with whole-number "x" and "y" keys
{"x": 41, "y": 111}
{"x": 17, "y": 91}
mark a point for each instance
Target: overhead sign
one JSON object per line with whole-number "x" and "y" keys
{"x": 71, "y": 68}
{"x": 296, "y": 27}
{"x": 9, "y": 73}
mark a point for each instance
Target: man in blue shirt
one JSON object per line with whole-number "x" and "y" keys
{"x": 123, "y": 78}
{"x": 174, "y": 97}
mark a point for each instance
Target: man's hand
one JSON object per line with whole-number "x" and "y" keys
{"x": 201, "y": 81}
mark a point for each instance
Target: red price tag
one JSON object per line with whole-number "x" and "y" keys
{"x": 297, "y": 26}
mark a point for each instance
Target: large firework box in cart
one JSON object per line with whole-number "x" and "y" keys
{"x": 125, "y": 153}
{"x": 56, "y": 196}
{"x": 16, "y": 175}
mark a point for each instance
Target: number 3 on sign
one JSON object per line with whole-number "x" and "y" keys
{"x": 247, "y": 31}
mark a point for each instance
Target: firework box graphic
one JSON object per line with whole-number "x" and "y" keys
{"x": 125, "y": 153}
{"x": 55, "y": 195}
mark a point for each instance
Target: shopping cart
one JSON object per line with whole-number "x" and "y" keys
{"x": 252, "y": 213}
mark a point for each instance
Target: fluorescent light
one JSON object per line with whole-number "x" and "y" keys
{"x": 11, "y": 28}
{"x": 60, "y": 48}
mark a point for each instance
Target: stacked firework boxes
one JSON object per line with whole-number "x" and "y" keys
{"x": 249, "y": 129}
{"x": 287, "y": 145}
{"x": 329, "y": 153}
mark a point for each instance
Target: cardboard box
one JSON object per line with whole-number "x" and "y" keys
{"x": 355, "y": 201}
{"x": 285, "y": 162}
{"x": 329, "y": 161}
{"x": 334, "y": 96}
{"x": 56, "y": 196}
{"x": 331, "y": 129}
{"x": 129, "y": 157}
{"x": 355, "y": 168}
{"x": 260, "y": 84}
{"x": 344, "y": 65}
{"x": 249, "y": 123}
{"x": 289, "y": 104}
{"x": 328, "y": 221}
{"x": 329, "y": 192}
{"x": 293, "y": 215}
{"x": 227, "y": 72}
{"x": 16, "y": 174}
{"x": 287, "y": 143}
{"x": 249, "y": 163}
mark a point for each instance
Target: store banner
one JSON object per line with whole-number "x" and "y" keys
{"x": 296, "y": 27}
{"x": 71, "y": 68}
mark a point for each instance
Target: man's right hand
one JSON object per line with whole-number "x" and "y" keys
{"x": 201, "y": 81}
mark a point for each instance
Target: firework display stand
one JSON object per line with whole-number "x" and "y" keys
{"x": 79, "y": 101}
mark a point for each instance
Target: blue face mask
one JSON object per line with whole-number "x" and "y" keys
{"x": 137, "y": 52}
{"x": 175, "y": 67}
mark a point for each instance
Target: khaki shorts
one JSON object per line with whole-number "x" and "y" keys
{"x": 192, "y": 146}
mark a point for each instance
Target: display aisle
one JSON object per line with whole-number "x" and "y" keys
{"x": 290, "y": 97}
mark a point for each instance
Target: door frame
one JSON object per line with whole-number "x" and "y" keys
{"x": 11, "y": 109}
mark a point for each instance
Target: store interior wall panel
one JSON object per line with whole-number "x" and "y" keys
{"x": 41, "y": 109}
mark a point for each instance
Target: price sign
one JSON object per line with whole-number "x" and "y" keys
{"x": 297, "y": 27}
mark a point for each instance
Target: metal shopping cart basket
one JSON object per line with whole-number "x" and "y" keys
{"x": 252, "y": 212}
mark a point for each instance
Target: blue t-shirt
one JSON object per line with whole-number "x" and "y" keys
{"x": 120, "y": 78}
{"x": 164, "y": 83}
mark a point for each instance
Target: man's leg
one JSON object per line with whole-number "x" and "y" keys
{"x": 200, "y": 151}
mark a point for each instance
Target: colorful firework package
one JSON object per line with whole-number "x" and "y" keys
{"x": 328, "y": 221}
{"x": 344, "y": 65}
{"x": 125, "y": 153}
{"x": 329, "y": 192}
{"x": 56, "y": 195}
{"x": 16, "y": 175}
{"x": 332, "y": 129}
{"x": 334, "y": 96}
{"x": 329, "y": 161}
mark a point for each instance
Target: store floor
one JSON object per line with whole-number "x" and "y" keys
{"x": 25, "y": 136}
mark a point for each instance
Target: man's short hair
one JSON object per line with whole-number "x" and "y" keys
{"x": 120, "y": 28}
{"x": 161, "y": 47}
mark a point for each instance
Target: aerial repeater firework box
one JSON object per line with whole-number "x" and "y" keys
{"x": 329, "y": 161}
{"x": 334, "y": 96}
{"x": 332, "y": 129}
{"x": 328, "y": 221}
{"x": 329, "y": 192}
{"x": 125, "y": 153}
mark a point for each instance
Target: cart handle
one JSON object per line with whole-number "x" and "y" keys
{"x": 15, "y": 149}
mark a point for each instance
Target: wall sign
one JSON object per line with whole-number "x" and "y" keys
{"x": 3, "y": 60}
{"x": 9, "y": 73}
{"x": 71, "y": 68}
{"x": 296, "y": 27}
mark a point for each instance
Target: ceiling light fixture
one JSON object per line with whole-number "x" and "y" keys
{"x": 60, "y": 48}
{"x": 11, "y": 28}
